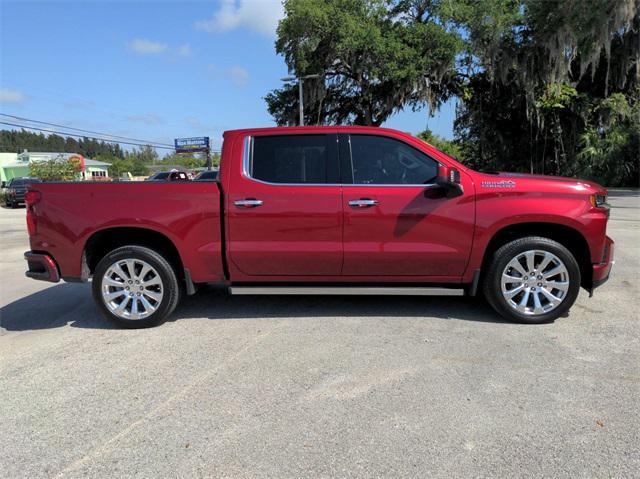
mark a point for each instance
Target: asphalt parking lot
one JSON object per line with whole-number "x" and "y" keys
{"x": 321, "y": 386}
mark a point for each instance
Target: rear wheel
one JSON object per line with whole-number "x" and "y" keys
{"x": 135, "y": 287}
{"x": 532, "y": 280}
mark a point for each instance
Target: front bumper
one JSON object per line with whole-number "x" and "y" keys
{"x": 42, "y": 267}
{"x": 16, "y": 197}
{"x": 602, "y": 271}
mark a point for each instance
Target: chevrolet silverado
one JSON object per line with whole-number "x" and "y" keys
{"x": 325, "y": 210}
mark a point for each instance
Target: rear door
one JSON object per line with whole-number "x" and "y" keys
{"x": 398, "y": 222}
{"x": 285, "y": 207}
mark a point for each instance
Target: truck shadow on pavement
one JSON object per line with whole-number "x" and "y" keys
{"x": 72, "y": 305}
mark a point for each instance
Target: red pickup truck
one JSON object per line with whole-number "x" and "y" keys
{"x": 325, "y": 210}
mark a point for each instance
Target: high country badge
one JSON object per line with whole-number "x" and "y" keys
{"x": 499, "y": 184}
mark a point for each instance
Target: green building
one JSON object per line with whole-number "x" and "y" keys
{"x": 95, "y": 170}
{"x": 13, "y": 165}
{"x": 10, "y": 167}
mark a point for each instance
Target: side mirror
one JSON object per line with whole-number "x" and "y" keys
{"x": 449, "y": 179}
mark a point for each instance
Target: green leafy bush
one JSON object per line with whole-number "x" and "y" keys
{"x": 57, "y": 169}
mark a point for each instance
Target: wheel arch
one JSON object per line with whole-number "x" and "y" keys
{"x": 101, "y": 242}
{"x": 567, "y": 236}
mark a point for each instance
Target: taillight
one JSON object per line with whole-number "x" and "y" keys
{"x": 30, "y": 199}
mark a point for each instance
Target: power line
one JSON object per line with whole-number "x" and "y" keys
{"x": 85, "y": 131}
{"x": 63, "y": 98}
{"x": 6, "y": 148}
{"x": 13, "y": 148}
{"x": 85, "y": 136}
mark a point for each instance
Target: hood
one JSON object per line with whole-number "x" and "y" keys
{"x": 548, "y": 181}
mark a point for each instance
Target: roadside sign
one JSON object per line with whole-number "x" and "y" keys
{"x": 80, "y": 160}
{"x": 191, "y": 145}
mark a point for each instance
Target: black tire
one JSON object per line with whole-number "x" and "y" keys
{"x": 170, "y": 287}
{"x": 492, "y": 285}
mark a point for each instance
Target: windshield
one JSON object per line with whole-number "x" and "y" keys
{"x": 207, "y": 175}
{"x": 24, "y": 181}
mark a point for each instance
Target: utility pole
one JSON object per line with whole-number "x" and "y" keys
{"x": 300, "y": 93}
{"x": 301, "y": 101}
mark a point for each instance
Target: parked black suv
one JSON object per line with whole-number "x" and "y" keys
{"x": 169, "y": 176}
{"x": 16, "y": 188}
{"x": 207, "y": 175}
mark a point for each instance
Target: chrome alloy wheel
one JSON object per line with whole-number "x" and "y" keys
{"x": 535, "y": 282}
{"x": 132, "y": 289}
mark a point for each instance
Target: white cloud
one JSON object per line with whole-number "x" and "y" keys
{"x": 78, "y": 104}
{"x": 142, "y": 46}
{"x": 147, "y": 47}
{"x": 237, "y": 75}
{"x": 147, "y": 119}
{"x": 194, "y": 123}
{"x": 260, "y": 16}
{"x": 11, "y": 96}
{"x": 184, "y": 50}
{"x": 201, "y": 128}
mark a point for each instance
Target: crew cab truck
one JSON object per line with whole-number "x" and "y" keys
{"x": 325, "y": 210}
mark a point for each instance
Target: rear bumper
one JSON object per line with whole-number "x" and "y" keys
{"x": 42, "y": 267}
{"x": 602, "y": 271}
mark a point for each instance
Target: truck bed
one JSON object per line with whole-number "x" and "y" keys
{"x": 69, "y": 215}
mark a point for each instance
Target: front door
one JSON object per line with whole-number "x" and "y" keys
{"x": 397, "y": 222}
{"x": 285, "y": 207}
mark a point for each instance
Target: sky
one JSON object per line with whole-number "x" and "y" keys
{"x": 152, "y": 70}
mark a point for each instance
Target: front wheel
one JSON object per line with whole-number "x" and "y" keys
{"x": 532, "y": 280}
{"x": 135, "y": 287}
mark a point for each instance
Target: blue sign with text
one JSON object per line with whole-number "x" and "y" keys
{"x": 190, "y": 145}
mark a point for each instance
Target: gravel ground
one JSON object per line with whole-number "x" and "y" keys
{"x": 320, "y": 386}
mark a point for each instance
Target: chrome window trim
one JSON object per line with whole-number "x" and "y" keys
{"x": 421, "y": 185}
{"x": 247, "y": 151}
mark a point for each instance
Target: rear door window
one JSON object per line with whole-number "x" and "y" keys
{"x": 294, "y": 159}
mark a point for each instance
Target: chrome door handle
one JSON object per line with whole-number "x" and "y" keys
{"x": 248, "y": 203}
{"x": 363, "y": 203}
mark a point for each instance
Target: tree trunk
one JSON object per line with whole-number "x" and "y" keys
{"x": 369, "y": 117}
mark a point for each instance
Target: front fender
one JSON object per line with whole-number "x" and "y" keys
{"x": 501, "y": 210}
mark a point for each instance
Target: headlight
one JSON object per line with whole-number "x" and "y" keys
{"x": 599, "y": 201}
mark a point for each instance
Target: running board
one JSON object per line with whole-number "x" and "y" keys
{"x": 347, "y": 290}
